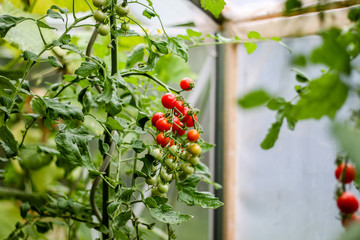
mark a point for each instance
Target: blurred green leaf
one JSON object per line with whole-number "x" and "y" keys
{"x": 214, "y": 6}
{"x": 170, "y": 217}
{"x": 254, "y": 99}
{"x": 324, "y": 97}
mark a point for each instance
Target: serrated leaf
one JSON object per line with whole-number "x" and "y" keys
{"x": 312, "y": 104}
{"x": 61, "y": 10}
{"x": 110, "y": 97}
{"x": 54, "y": 62}
{"x": 129, "y": 33}
{"x": 32, "y": 159}
{"x": 116, "y": 124}
{"x": 189, "y": 195}
{"x": 54, "y": 109}
{"x": 205, "y": 147}
{"x": 150, "y": 202}
{"x": 137, "y": 145}
{"x": 178, "y": 47}
{"x": 7, "y": 22}
{"x": 170, "y": 217}
{"x": 273, "y": 132}
{"x": 254, "y": 99}
{"x": 73, "y": 147}
{"x": 150, "y": 63}
{"x": 214, "y": 6}
{"x": 137, "y": 55}
{"x": 250, "y": 47}
{"x": 86, "y": 68}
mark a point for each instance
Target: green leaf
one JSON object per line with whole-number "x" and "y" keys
{"x": 43, "y": 227}
{"x": 116, "y": 123}
{"x": 121, "y": 219}
{"x": 41, "y": 24}
{"x": 161, "y": 46}
{"x": 337, "y": 58}
{"x": 147, "y": 166}
{"x": 178, "y": 47}
{"x": 150, "y": 202}
{"x": 86, "y": 68}
{"x": 254, "y": 99}
{"x": 250, "y": 47}
{"x": 33, "y": 159}
{"x": 110, "y": 97}
{"x": 54, "y": 109}
{"x": 189, "y": 195}
{"x": 54, "y": 62}
{"x": 28, "y": 55}
{"x": 192, "y": 33}
{"x": 7, "y": 22}
{"x": 137, "y": 145}
{"x": 129, "y": 33}
{"x": 61, "y": 10}
{"x": 169, "y": 217}
{"x": 205, "y": 147}
{"x": 6, "y": 84}
{"x": 253, "y": 34}
{"x": 274, "y": 131}
{"x": 73, "y": 147}
{"x": 137, "y": 55}
{"x": 24, "y": 209}
{"x": 203, "y": 171}
{"x": 8, "y": 142}
{"x": 290, "y": 5}
{"x": 141, "y": 120}
{"x": 300, "y": 77}
{"x": 51, "y": 13}
{"x": 275, "y": 103}
{"x": 214, "y": 6}
{"x": 324, "y": 97}
{"x": 149, "y": 14}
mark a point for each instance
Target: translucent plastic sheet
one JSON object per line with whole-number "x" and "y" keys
{"x": 287, "y": 192}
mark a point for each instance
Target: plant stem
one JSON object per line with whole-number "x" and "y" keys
{"x": 169, "y": 89}
{"x": 134, "y": 169}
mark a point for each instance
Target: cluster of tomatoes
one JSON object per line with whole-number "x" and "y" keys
{"x": 346, "y": 201}
{"x": 178, "y": 133}
{"x": 122, "y": 10}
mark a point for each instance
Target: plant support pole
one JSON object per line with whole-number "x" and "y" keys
{"x": 114, "y": 70}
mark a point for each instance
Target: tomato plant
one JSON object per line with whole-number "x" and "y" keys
{"x": 93, "y": 127}
{"x": 348, "y": 174}
{"x": 186, "y": 84}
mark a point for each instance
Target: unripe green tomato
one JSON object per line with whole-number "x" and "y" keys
{"x": 183, "y": 176}
{"x": 152, "y": 180}
{"x": 122, "y": 11}
{"x": 173, "y": 149}
{"x": 125, "y": 26}
{"x": 157, "y": 154}
{"x": 194, "y": 160}
{"x": 185, "y": 155}
{"x": 162, "y": 188}
{"x": 187, "y": 168}
{"x": 165, "y": 176}
{"x": 99, "y": 3}
{"x": 170, "y": 163}
{"x": 194, "y": 149}
{"x": 155, "y": 192}
{"x": 99, "y": 15}
{"x": 104, "y": 29}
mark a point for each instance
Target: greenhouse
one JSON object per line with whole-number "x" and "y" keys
{"x": 186, "y": 119}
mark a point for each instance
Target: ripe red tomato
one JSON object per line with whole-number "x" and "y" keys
{"x": 163, "y": 125}
{"x": 193, "y": 135}
{"x": 185, "y": 111}
{"x": 350, "y": 173}
{"x": 186, "y": 84}
{"x": 179, "y": 106}
{"x": 180, "y": 132}
{"x": 177, "y": 124}
{"x": 156, "y": 117}
{"x": 168, "y": 100}
{"x": 163, "y": 141}
{"x": 347, "y": 222}
{"x": 188, "y": 120}
{"x": 347, "y": 203}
